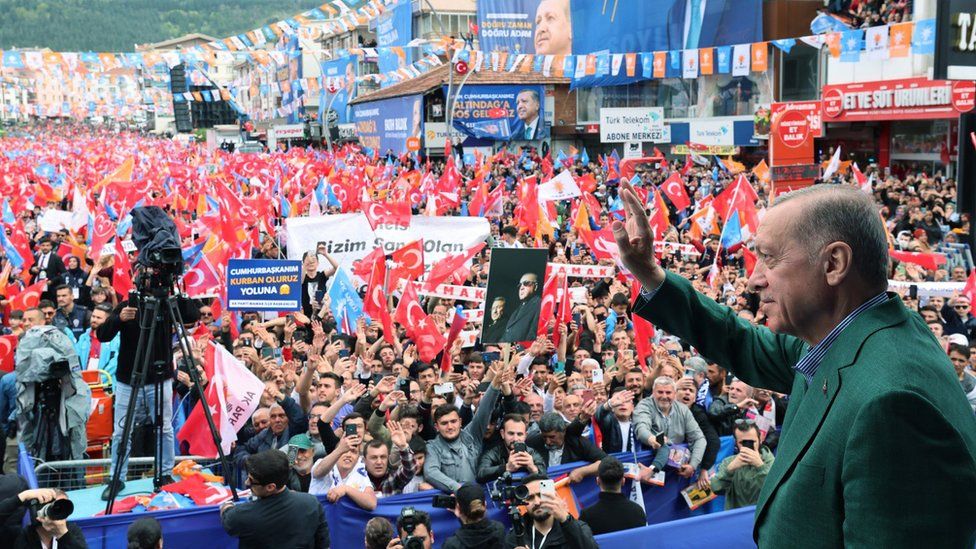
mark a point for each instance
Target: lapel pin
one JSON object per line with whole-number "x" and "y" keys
{"x": 825, "y": 387}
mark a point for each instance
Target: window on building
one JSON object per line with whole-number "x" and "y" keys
{"x": 800, "y": 74}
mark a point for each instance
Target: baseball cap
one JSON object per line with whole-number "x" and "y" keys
{"x": 301, "y": 441}
{"x": 467, "y": 494}
{"x": 959, "y": 339}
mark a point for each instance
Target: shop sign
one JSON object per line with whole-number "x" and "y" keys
{"x": 720, "y": 150}
{"x": 906, "y": 99}
{"x": 794, "y": 126}
{"x": 955, "y": 40}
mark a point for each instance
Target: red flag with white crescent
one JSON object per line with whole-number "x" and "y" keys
{"x": 408, "y": 261}
{"x": 8, "y": 346}
{"x": 122, "y": 271}
{"x": 674, "y": 188}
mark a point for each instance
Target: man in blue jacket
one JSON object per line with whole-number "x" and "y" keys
{"x": 94, "y": 354}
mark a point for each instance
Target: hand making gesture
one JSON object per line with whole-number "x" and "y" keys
{"x": 636, "y": 240}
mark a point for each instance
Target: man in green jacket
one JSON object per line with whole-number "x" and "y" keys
{"x": 741, "y": 476}
{"x": 868, "y": 382}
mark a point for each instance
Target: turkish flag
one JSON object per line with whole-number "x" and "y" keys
{"x": 28, "y": 297}
{"x": 202, "y": 280}
{"x": 741, "y": 197}
{"x": 930, "y": 262}
{"x": 456, "y": 326}
{"x": 8, "y": 347}
{"x": 409, "y": 312}
{"x": 643, "y": 330}
{"x": 750, "y": 260}
{"x": 195, "y": 431}
{"x": 363, "y": 267}
{"x": 450, "y": 265}
{"x": 527, "y": 212}
{"x": 408, "y": 261}
{"x": 674, "y": 188}
{"x": 550, "y": 294}
{"x": 375, "y": 303}
{"x": 382, "y": 213}
{"x": 122, "y": 272}
{"x": 601, "y": 243}
{"x": 429, "y": 339}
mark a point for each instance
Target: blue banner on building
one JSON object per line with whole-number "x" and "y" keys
{"x": 385, "y": 125}
{"x": 339, "y": 75}
{"x": 264, "y": 285}
{"x": 291, "y": 75}
{"x": 501, "y": 112}
{"x": 394, "y": 28}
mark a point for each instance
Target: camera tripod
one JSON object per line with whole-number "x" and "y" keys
{"x": 157, "y": 304}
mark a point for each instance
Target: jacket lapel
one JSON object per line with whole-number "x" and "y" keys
{"x": 809, "y": 404}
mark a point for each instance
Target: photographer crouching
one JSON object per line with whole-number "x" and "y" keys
{"x": 49, "y": 510}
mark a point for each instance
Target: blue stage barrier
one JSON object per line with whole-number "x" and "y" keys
{"x": 729, "y": 530}
{"x": 200, "y": 527}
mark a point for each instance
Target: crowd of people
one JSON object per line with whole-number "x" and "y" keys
{"x": 358, "y": 415}
{"x": 872, "y": 13}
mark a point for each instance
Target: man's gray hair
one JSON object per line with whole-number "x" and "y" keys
{"x": 664, "y": 380}
{"x": 838, "y": 213}
{"x": 552, "y": 422}
{"x": 590, "y": 361}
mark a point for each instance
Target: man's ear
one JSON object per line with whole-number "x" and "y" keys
{"x": 837, "y": 261}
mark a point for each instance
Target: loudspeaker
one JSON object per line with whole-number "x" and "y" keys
{"x": 181, "y": 110}
{"x": 966, "y": 176}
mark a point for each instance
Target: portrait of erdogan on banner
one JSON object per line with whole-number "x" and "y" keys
{"x": 514, "y": 294}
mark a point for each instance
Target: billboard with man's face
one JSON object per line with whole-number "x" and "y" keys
{"x": 571, "y": 27}
{"x": 501, "y": 112}
{"x": 338, "y": 75}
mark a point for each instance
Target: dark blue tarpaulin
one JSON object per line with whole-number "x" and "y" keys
{"x": 200, "y": 527}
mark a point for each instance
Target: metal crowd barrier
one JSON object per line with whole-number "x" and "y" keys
{"x": 83, "y": 473}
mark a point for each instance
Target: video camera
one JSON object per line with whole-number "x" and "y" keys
{"x": 408, "y": 522}
{"x": 157, "y": 239}
{"x": 506, "y": 492}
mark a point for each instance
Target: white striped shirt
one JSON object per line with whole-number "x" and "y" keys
{"x": 810, "y": 363}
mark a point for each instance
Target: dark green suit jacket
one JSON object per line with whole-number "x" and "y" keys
{"x": 878, "y": 451}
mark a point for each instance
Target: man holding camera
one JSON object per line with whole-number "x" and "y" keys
{"x": 512, "y": 455}
{"x": 414, "y": 530}
{"x": 48, "y": 526}
{"x": 125, "y": 321}
{"x": 548, "y": 524}
{"x": 740, "y": 477}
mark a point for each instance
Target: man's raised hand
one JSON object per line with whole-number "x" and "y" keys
{"x": 636, "y": 241}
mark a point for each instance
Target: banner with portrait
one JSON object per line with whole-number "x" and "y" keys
{"x": 394, "y": 28}
{"x": 385, "y": 125}
{"x": 513, "y": 298}
{"x": 338, "y": 88}
{"x": 501, "y": 112}
{"x": 571, "y": 27}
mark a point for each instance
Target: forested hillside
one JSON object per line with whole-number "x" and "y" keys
{"x": 116, "y": 25}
